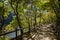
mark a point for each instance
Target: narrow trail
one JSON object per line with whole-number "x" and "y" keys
{"x": 45, "y": 32}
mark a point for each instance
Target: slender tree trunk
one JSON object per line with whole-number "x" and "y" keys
{"x": 28, "y": 25}
{"x": 2, "y": 19}
{"x": 35, "y": 20}
{"x": 19, "y": 22}
{"x": 58, "y": 27}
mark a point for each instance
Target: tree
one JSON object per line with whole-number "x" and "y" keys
{"x": 2, "y": 17}
{"x": 56, "y": 9}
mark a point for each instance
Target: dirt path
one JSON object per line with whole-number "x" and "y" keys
{"x": 45, "y": 32}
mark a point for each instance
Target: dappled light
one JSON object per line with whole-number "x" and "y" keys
{"x": 29, "y": 20}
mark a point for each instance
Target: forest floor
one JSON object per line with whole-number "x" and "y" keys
{"x": 45, "y": 32}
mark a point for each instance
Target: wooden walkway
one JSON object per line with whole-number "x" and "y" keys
{"x": 44, "y": 32}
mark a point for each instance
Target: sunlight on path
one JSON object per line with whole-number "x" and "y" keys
{"x": 49, "y": 35}
{"x": 48, "y": 38}
{"x": 43, "y": 33}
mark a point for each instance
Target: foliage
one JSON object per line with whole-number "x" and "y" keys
{"x": 27, "y": 11}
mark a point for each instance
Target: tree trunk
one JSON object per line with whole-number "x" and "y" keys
{"x": 2, "y": 19}
{"x": 56, "y": 7}
{"x": 19, "y": 23}
{"x": 57, "y": 12}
